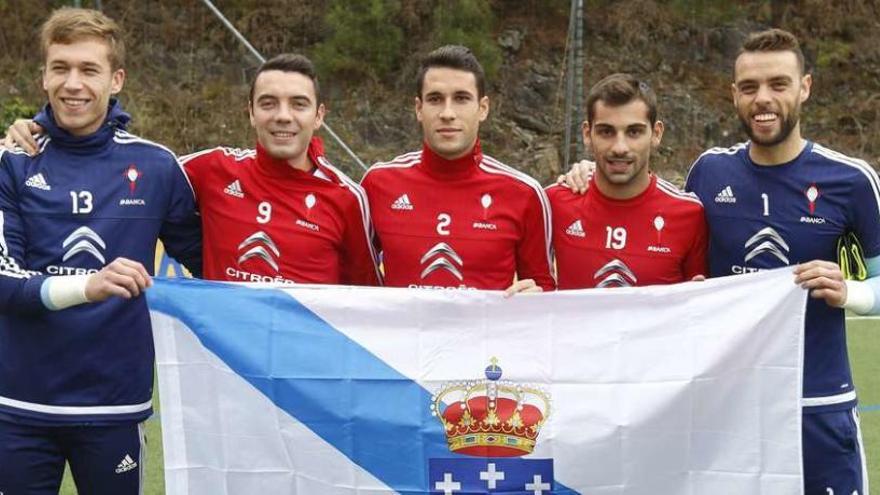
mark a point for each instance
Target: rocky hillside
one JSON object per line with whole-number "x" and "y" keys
{"x": 187, "y": 75}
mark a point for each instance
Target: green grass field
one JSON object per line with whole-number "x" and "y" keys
{"x": 864, "y": 351}
{"x": 864, "y": 346}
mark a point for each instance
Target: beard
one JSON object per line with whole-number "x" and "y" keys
{"x": 788, "y": 125}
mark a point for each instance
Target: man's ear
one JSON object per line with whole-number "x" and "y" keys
{"x": 585, "y": 133}
{"x": 418, "y": 108}
{"x": 806, "y": 87}
{"x": 319, "y": 116}
{"x": 117, "y": 81}
{"x": 657, "y": 135}
{"x": 484, "y": 108}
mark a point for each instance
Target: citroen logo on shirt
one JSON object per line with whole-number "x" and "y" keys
{"x": 259, "y": 245}
{"x": 442, "y": 257}
{"x": 767, "y": 240}
{"x": 84, "y": 240}
{"x": 615, "y": 273}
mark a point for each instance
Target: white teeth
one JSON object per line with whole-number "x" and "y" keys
{"x": 73, "y": 102}
{"x": 764, "y": 117}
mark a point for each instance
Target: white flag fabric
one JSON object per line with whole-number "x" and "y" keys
{"x": 688, "y": 389}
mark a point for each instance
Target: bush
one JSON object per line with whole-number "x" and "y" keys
{"x": 15, "y": 108}
{"x": 365, "y": 40}
{"x": 469, "y": 23}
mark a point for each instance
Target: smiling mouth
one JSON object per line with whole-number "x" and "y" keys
{"x": 283, "y": 134}
{"x": 763, "y": 118}
{"x": 75, "y": 102}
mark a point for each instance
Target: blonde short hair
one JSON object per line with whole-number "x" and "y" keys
{"x": 68, "y": 25}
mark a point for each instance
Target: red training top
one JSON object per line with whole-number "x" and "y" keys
{"x": 263, "y": 220}
{"x": 472, "y": 222}
{"x": 657, "y": 237}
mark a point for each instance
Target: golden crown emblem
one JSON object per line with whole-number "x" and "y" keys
{"x": 491, "y": 417}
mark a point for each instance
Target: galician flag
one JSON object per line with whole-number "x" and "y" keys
{"x": 690, "y": 389}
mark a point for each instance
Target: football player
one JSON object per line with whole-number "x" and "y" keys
{"x": 449, "y": 215}
{"x": 282, "y": 212}
{"x": 631, "y": 227}
{"x": 79, "y": 224}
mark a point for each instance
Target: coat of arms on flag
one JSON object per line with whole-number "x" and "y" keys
{"x": 494, "y": 422}
{"x": 685, "y": 389}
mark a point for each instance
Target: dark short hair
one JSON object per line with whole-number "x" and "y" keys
{"x": 288, "y": 62}
{"x": 452, "y": 57}
{"x": 773, "y": 40}
{"x": 619, "y": 89}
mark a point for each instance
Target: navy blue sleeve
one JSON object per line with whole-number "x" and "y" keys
{"x": 19, "y": 287}
{"x": 865, "y": 210}
{"x": 693, "y": 176}
{"x": 181, "y": 231}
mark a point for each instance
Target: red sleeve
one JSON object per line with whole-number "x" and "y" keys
{"x": 358, "y": 256}
{"x": 696, "y": 261}
{"x": 367, "y": 185}
{"x": 533, "y": 248}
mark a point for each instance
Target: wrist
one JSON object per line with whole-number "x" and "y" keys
{"x": 60, "y": 292}
{"x": 859, "y": 297}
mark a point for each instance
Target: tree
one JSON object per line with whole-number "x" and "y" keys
{"x": 365, "y": 39}
{"x": 469, "y": 23}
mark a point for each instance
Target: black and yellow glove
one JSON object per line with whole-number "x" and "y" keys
{"x": 851, "y": 257}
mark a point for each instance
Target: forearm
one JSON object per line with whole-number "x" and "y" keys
{"x": 62, "y": 292}
{"x": 863, "y": 297}
{"x": 21, "y": 294}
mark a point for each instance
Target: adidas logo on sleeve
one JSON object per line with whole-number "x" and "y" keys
{"x": 725, "y": 196}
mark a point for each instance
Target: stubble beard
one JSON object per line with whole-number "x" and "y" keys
{"x": 788, "y": 125}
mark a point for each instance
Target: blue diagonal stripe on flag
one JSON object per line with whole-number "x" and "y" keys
{"x": 318, "y": 375}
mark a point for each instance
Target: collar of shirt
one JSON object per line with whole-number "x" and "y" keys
{"x": 116, "y": 119}
{"x": 633, "y": 201}
{"x": 280, "y": 169}
{"x": 458, "y": 168}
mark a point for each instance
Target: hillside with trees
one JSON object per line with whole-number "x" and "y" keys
{"x": 188, "y": 76}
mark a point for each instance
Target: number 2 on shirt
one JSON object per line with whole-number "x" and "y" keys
{"x": 443, "y": 221}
